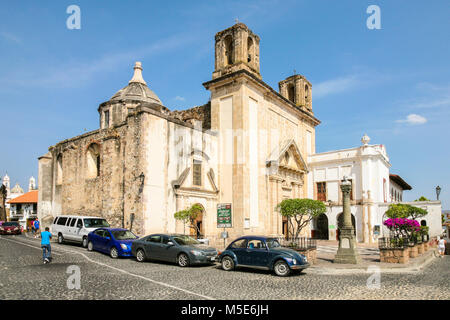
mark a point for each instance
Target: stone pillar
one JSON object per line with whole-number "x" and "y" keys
{"x": 347, "y": 251}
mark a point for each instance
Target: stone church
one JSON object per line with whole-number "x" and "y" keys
{"x": 246, "y": 147}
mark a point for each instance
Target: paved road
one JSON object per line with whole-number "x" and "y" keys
{"x": 23, "y": 276}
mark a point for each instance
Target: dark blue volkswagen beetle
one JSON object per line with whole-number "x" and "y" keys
{"x": 262, "y": 253}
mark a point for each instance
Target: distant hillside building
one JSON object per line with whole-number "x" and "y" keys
{"x": 24, "y": 208}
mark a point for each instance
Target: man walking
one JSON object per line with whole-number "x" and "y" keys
{"x": 45, "y": 245}
{"x": 36, "y": 227}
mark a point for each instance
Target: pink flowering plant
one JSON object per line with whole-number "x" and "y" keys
{"x": 402, "y": 227}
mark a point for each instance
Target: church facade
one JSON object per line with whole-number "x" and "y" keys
{"x": 246, "y": 148}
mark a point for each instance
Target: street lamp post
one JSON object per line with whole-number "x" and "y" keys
{"x": 347, "y": 251}
{"x": 438, "y": 191}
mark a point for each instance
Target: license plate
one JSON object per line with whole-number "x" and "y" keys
{"x": 9, "y": 230}
{"x": 213, "y": 258}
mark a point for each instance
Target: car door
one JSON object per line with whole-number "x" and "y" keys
{"x": 168, "y": 251}
{"x": 152, "y": 247}
{"x": 103, "y": 240}
{"x": 239, "y": 247}
{"x": 96, "y": 237}
{"x": 77, "y": 230}
{"x": 256, "y": 254}
{"x": 71, "y": 229}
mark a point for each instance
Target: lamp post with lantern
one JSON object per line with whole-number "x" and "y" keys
{"x": 438, "y": 192}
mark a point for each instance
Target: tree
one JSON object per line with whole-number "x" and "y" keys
{"x": 300, "y": 211}
{"x": 422, "y": 198}
{"x": 189, "y": 216}
{"x": 405, "y": 211}
{"x": 3, "y": 194}
{"x": 398, "y": 211}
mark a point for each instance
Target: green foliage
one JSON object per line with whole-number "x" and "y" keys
{"x": 398, "y": 211}
{"x": 422, "y": 198}
{"x": 424, "y": 230}
{"x": 189, "y": 215}
{"x": 302, "y": 211}
{"x": 405, "y": 211}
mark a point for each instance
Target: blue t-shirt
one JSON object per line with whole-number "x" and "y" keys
{"x": 36, "y": 224}
{"x": 45, "y": 237}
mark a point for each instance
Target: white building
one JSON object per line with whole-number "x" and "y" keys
{"x": 374, "y": 188}
{"x": 14, "y": 192}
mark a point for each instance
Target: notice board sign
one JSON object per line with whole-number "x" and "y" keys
{"x": 224, "y": 215}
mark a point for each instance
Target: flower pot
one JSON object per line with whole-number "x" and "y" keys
{"x": 398, "y": 255}
{"x": 413, "y": 252}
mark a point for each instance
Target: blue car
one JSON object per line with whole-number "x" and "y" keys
{"x": 114, "y": 241}
{"x": 262, "y": 253}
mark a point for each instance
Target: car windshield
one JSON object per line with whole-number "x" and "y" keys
{"x": 185, "y": 240}
{"x": 95, "y": 223}
{"x": 10, "y": 224}
{"x": 123, "y": 235}
{"x": 273, "y": 243}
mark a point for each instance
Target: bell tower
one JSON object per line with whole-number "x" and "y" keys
{"x": 237, "y": 48}
{"x": 297, "y": 89}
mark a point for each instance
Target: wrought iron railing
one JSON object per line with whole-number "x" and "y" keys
{"x": 301, "y": 243}
{"x": 394, "y": 242}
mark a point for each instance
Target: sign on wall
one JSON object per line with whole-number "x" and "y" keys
{"x": 224, "y": 215}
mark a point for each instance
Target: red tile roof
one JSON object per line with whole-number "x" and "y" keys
{"x": 29, "y": 197}
{"x": 398, "y": 180}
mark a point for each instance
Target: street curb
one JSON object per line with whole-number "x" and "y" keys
{"x": 415, "y": 268}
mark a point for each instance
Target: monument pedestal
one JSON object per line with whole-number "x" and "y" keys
{"x": 347, "y": 252}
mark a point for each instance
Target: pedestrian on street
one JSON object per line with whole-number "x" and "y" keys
{"x": 36, "y": 227}
{"x": 441, "y": 246}
{"x": 45, "y": 245}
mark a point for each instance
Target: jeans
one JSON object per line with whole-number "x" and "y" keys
{"x": 46, "y": 251}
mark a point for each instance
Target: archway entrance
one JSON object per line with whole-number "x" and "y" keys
{"x": 321, "y": 231}
{"x": 340, "y": 221}
{"x": 196, "y": 229}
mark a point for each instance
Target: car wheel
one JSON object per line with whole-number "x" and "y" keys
{"x": 183, "y": 260}
{"x": 90, "y": 246}
{"x": 84, "y": 243}
{"x": 60, "y": 239}
{"x": 281, "y": 268}
{"x": 140, "y": 255}
{"x": 114, "y": 253}
{"x": 227, "y": 263}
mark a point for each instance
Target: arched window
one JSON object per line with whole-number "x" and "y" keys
{"x": 306, "y": 91}
{"x": 93, "y": 161}
{"x": 291, "y": 93}
{"x": 423, "y": 223}
{"x": 59, "y": 170}
{"x": 249, "y": 49}
{"x": 228, "y": 50}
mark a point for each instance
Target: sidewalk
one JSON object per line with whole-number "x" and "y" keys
{"x": 370, "y": 257}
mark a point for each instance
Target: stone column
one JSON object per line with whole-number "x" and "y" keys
{"x": 347, "y": 251}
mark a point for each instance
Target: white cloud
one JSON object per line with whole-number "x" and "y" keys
{"x": 10, "y": 37}
{"x": 333, "y": 86}
{"x": 178, "y": 98}
{"x": 413, "y": 119}
{"x": 78, "y": 73}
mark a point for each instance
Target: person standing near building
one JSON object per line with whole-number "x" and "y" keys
{"x": 441, "y": 246}
{"x": 36, "y": 227}
{"x": 45, "y": 245}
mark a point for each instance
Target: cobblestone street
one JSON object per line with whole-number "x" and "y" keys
{"x": 23, "y": 276}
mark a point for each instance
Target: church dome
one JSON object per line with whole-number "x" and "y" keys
{"x": 137, "y": 89}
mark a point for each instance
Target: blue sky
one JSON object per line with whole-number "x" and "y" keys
{"x": 392, "y": 84}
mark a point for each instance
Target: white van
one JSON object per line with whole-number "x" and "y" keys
{"x": 75, "y": 228}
